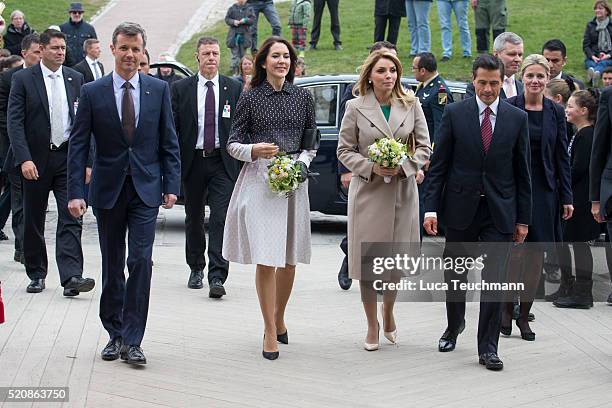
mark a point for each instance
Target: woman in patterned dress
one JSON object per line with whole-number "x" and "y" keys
{"x": 262, "y": 227}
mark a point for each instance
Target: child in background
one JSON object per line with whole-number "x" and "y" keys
{"x": 299, "y": 18}
{"x": 239, "y": 18}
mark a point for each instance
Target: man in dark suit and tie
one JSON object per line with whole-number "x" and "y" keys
{"x": 90, "y": 67}
{"x": 30, "y": 50}
{"x": 480, "y": 185}
{"x": 600, "y": 189}
{"x": 508, "y": 47}
{"x": 136, "y": 165}
{"x": 203, "y": 107}
{"x": 41, "y": 113}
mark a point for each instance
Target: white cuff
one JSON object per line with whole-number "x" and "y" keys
{"x": 240, "y": 151}
{"x": 306, "y": 156}
{"x": 431, "y": 214}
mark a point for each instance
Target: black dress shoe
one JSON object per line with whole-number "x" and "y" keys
{"x": 343, "y": 279}
{"x": 216, "y": 289}
{"x": 112, "y": 349}
{"x": 195, "y": 279}
{"x": 283, "y": 338}
{"x": 36, "y": 286}
{"x": 3, "y": 236}
{"x": 77, "y": 284}
{"x": 18, "y": 257}
{"x": 491, "y": 361}
{"x": 448, "y": 341}
{"x": 133, "y": 355}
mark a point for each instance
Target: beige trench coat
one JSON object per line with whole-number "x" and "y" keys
{"x": 377, "y": 211}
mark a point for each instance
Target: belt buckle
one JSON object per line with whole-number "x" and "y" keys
{"x": 208, "y": 153}
{"x": 52, "y": 147}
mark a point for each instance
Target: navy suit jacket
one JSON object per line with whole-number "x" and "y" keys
{"x": 153, "y": 157}
{"x": 555, "y": 154}
{"x": 601, "y": 155}
{"x": 460, "y": 172}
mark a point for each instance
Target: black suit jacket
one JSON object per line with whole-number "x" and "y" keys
{"x": 601, "y": 154}
{"x": 555, "y": 155}
{"x": 460, "y": 172}
{"x": 28, "y": 119}
{"x": 470, "y": 92}
{"x": 5, "y": 89}
{"x": 85, "y": 69}
{"x": 185, "y": 110}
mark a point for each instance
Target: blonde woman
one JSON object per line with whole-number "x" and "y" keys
{"x": 379, "y": 211}
{"x": 550, "y": 185}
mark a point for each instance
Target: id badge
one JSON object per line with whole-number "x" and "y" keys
{"x": 226, "y": 111}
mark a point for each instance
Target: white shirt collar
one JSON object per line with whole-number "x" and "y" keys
{"x": 89, "y": 60}
{"x": 482, "y": 106}
{"x": 202, "y": 81}
{"x": 118, "y": 81}
{"x": 46, "y": 71}
{"x": 511, "y": 78}
{"x": 559, "y": 76}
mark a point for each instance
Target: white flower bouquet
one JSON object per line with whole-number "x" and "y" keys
{"x": 283, "y": 175}
{"x": 388, "y": 152}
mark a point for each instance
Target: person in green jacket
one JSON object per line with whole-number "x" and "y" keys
{"x": 299, "y": 18}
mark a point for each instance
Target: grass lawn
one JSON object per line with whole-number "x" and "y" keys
{"x": 40, "y": 14}
{"x": 534, "y": 20}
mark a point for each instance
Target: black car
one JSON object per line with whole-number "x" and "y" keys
{"x": 327, "y": 195}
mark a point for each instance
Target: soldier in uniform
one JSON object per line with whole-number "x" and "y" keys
{"x": 434, "y": 95}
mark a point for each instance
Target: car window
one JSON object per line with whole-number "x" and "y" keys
{"x": 326, "y": 103}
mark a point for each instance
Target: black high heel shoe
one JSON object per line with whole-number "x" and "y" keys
{"x": 526, "y": 335}
{"x": 506, "y": 330}
{"x": 283, "y": 338}
{"x": 269, "y": 355}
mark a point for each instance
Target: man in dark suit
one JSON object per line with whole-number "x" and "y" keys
{"x": 556, "y": 54}
{"x": 30, "y": 50}
{"x": 319, "y": 6}
{"x": 90, "y": 67}
{"x": 136, "y": 163}
{"x": 600, "y": 190}
{"x": 508, "y": 47}
{"x": 479, "y": 184}
{"x": 203, "y": 107}
{"x": 40, "y": 116}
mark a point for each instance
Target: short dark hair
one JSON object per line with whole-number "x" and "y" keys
{"x": 8, "y": 62}
{"x": 146, "y": 53}
{"x": 555, "y": 45}
{"x": 428, "y": 61}
{"x": 28, "y": 40}
{"x": 50, "y": 33}
{"x": 130, "y": 30}
{"x": 260, "y": 60}
{"x": 488, "y": 62}
{"x": 206, "y": 41}
{"x": 89, "y": 42}
{"x": 382, "y": 44}
{"x": 607, "y": 70}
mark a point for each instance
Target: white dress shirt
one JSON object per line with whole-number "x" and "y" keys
{"x": 493, "y": 117}
{"x": 202, "y": 91}
{"x": 118, "y": 88}
{"x": 510, "y": 86}
{"x": 94, "y": 66}
{"x": 46, "y": 72}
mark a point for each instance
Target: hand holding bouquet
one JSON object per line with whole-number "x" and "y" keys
{"x": 388, "y": 153}
{"x": 285, "y": 175}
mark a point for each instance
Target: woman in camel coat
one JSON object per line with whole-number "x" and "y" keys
{"x": 379, "y": 211}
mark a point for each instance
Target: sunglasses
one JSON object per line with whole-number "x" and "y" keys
{"x": 76, "y": 12}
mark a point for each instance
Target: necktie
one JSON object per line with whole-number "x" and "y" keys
{"x": 57, "y": 112}
{"x": 128, "y": 117}
{"x": 96, "y": 70}
{"x": 209, "y": 118}
{"x": 508, "y": 88}
{"x": 486, "y": 130}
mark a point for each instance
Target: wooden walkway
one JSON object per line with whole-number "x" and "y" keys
{"x": 207, "y": 353}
